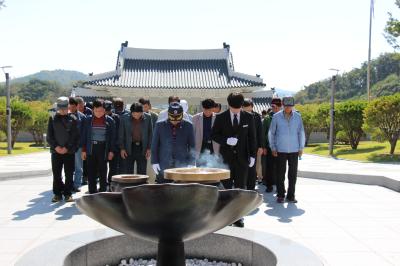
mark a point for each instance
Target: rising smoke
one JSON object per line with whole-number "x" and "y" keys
{"x": 208, "y": 160}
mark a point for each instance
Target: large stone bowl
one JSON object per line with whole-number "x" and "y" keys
{"x": 169, "y": 214}
{"x": 196, "y": 175}
{"x": 119, "y": 182}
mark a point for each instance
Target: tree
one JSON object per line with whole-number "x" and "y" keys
{"x": 40, "y": 118}
{"x": 21, "y": 115}
{"x": 2, "y": 4}
{"x": 351, "y": 85}
{"x": 390, "y": 85}
{"x": 384, "y": 113}
{"x": 349, "y": 118}
{"x": 309, "y": 116}
{"x": 36, "y": 89}
{"x": 323, "y": 117}
{"x": 392, "y": 29}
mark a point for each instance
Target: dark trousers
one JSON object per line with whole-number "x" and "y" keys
{"x": 114, "y": 166}
{"x": 97, "y": 167}
{"x": 239, "y": 172}
{"x": 137, "y": 157}
{"x": 292, "y": 160}
{"x": 161, "y": 180}
{"x": 252, "y": 176}
{"x": 270, "y": 169}
{"x": 58, "y": 161}
{"x": 84, "y": 172}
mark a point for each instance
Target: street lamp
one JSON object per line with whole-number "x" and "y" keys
{"x": 8, "y": 108}
{"x": 332, "y": 112}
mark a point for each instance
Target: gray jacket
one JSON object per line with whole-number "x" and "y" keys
{"x": 125, "y": 133}
{"x": 197, "y": 122}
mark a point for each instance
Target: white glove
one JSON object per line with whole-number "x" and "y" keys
{"x": 156, "y": 168}
{"x": 232, "y": 141}
{"x": 252, "y": 161}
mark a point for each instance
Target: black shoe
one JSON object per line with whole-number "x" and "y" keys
{"x": 56, "y": 198}
{"x": 76, "y": 190}
{"x": 68, "y": 199}
{"x": 291, "y": 200}
{"x": 269, "y": 189}
{"x": 280, "y": 199}
{"x": 239, "y": 223}
{"x": 84, "y": 183}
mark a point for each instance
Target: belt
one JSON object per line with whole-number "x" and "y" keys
{"x": 137, "y": 143}
{"x": 98, "y": 142}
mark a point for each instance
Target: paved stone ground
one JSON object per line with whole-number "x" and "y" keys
{"x": 25, "y": 165}
{"x": 345, "y": 224}
{"x": 323, "y": 164}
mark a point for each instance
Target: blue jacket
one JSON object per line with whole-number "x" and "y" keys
{"x": 286, "y": 135}
{"x": 163, "y": 150}
{"x": 86, "y": 137}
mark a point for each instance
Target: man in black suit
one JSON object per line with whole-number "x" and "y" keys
{"x": 234, "y": 130}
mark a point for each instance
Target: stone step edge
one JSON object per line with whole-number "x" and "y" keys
{"x": 382, "y": 181}
{"x": 24, "y": 174}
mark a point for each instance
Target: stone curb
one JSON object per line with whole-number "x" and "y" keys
{"x": 337, "y": 177}
{"x": 24, "y": 174}
{"x": 382, "y": 181}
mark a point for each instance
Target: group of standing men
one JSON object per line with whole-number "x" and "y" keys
{"x": 84, "y": 139}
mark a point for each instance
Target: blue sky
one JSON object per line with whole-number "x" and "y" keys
{"x": 291, "y": 43}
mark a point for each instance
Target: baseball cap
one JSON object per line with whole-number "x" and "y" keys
{"x": 175, "y": 112}
{"x": 62, "y": 103}
{"x": 288, "y": 101}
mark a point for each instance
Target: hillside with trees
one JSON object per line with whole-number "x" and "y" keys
{"x": 64, "y": 77}
{"x": 44, "y": 85}
{"x": 385, "y": 80}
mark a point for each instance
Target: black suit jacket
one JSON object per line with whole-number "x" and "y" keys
{"x": 247, "y": 143}
{"x": 258, "y": 128}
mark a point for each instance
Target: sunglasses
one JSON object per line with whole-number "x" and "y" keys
{"x": 175, "y": 117}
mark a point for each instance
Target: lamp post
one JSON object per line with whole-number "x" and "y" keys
{"x": 332, "y": 113}
{"x": 8, "y": 109}
{"x": 371, "y": 14}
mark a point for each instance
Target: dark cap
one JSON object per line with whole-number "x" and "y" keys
{"x": 288, "y": 101}
{"x": 175, "y": 112}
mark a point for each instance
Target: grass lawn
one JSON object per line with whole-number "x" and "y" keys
{"x": 20, "y": 148}
{"x": 367, "y": 151}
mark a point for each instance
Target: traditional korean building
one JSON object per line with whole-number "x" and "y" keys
{"x": 158, "y": 73}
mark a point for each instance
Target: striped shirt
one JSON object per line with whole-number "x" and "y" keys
{"x": 99, "y": 129}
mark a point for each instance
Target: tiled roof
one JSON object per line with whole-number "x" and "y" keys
{"x": 169, "y": 54}
{"x": 170, "y": 69}
{"x": 261, "y": 103}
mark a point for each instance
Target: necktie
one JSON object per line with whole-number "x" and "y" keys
{"x": 235, "y": 122}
